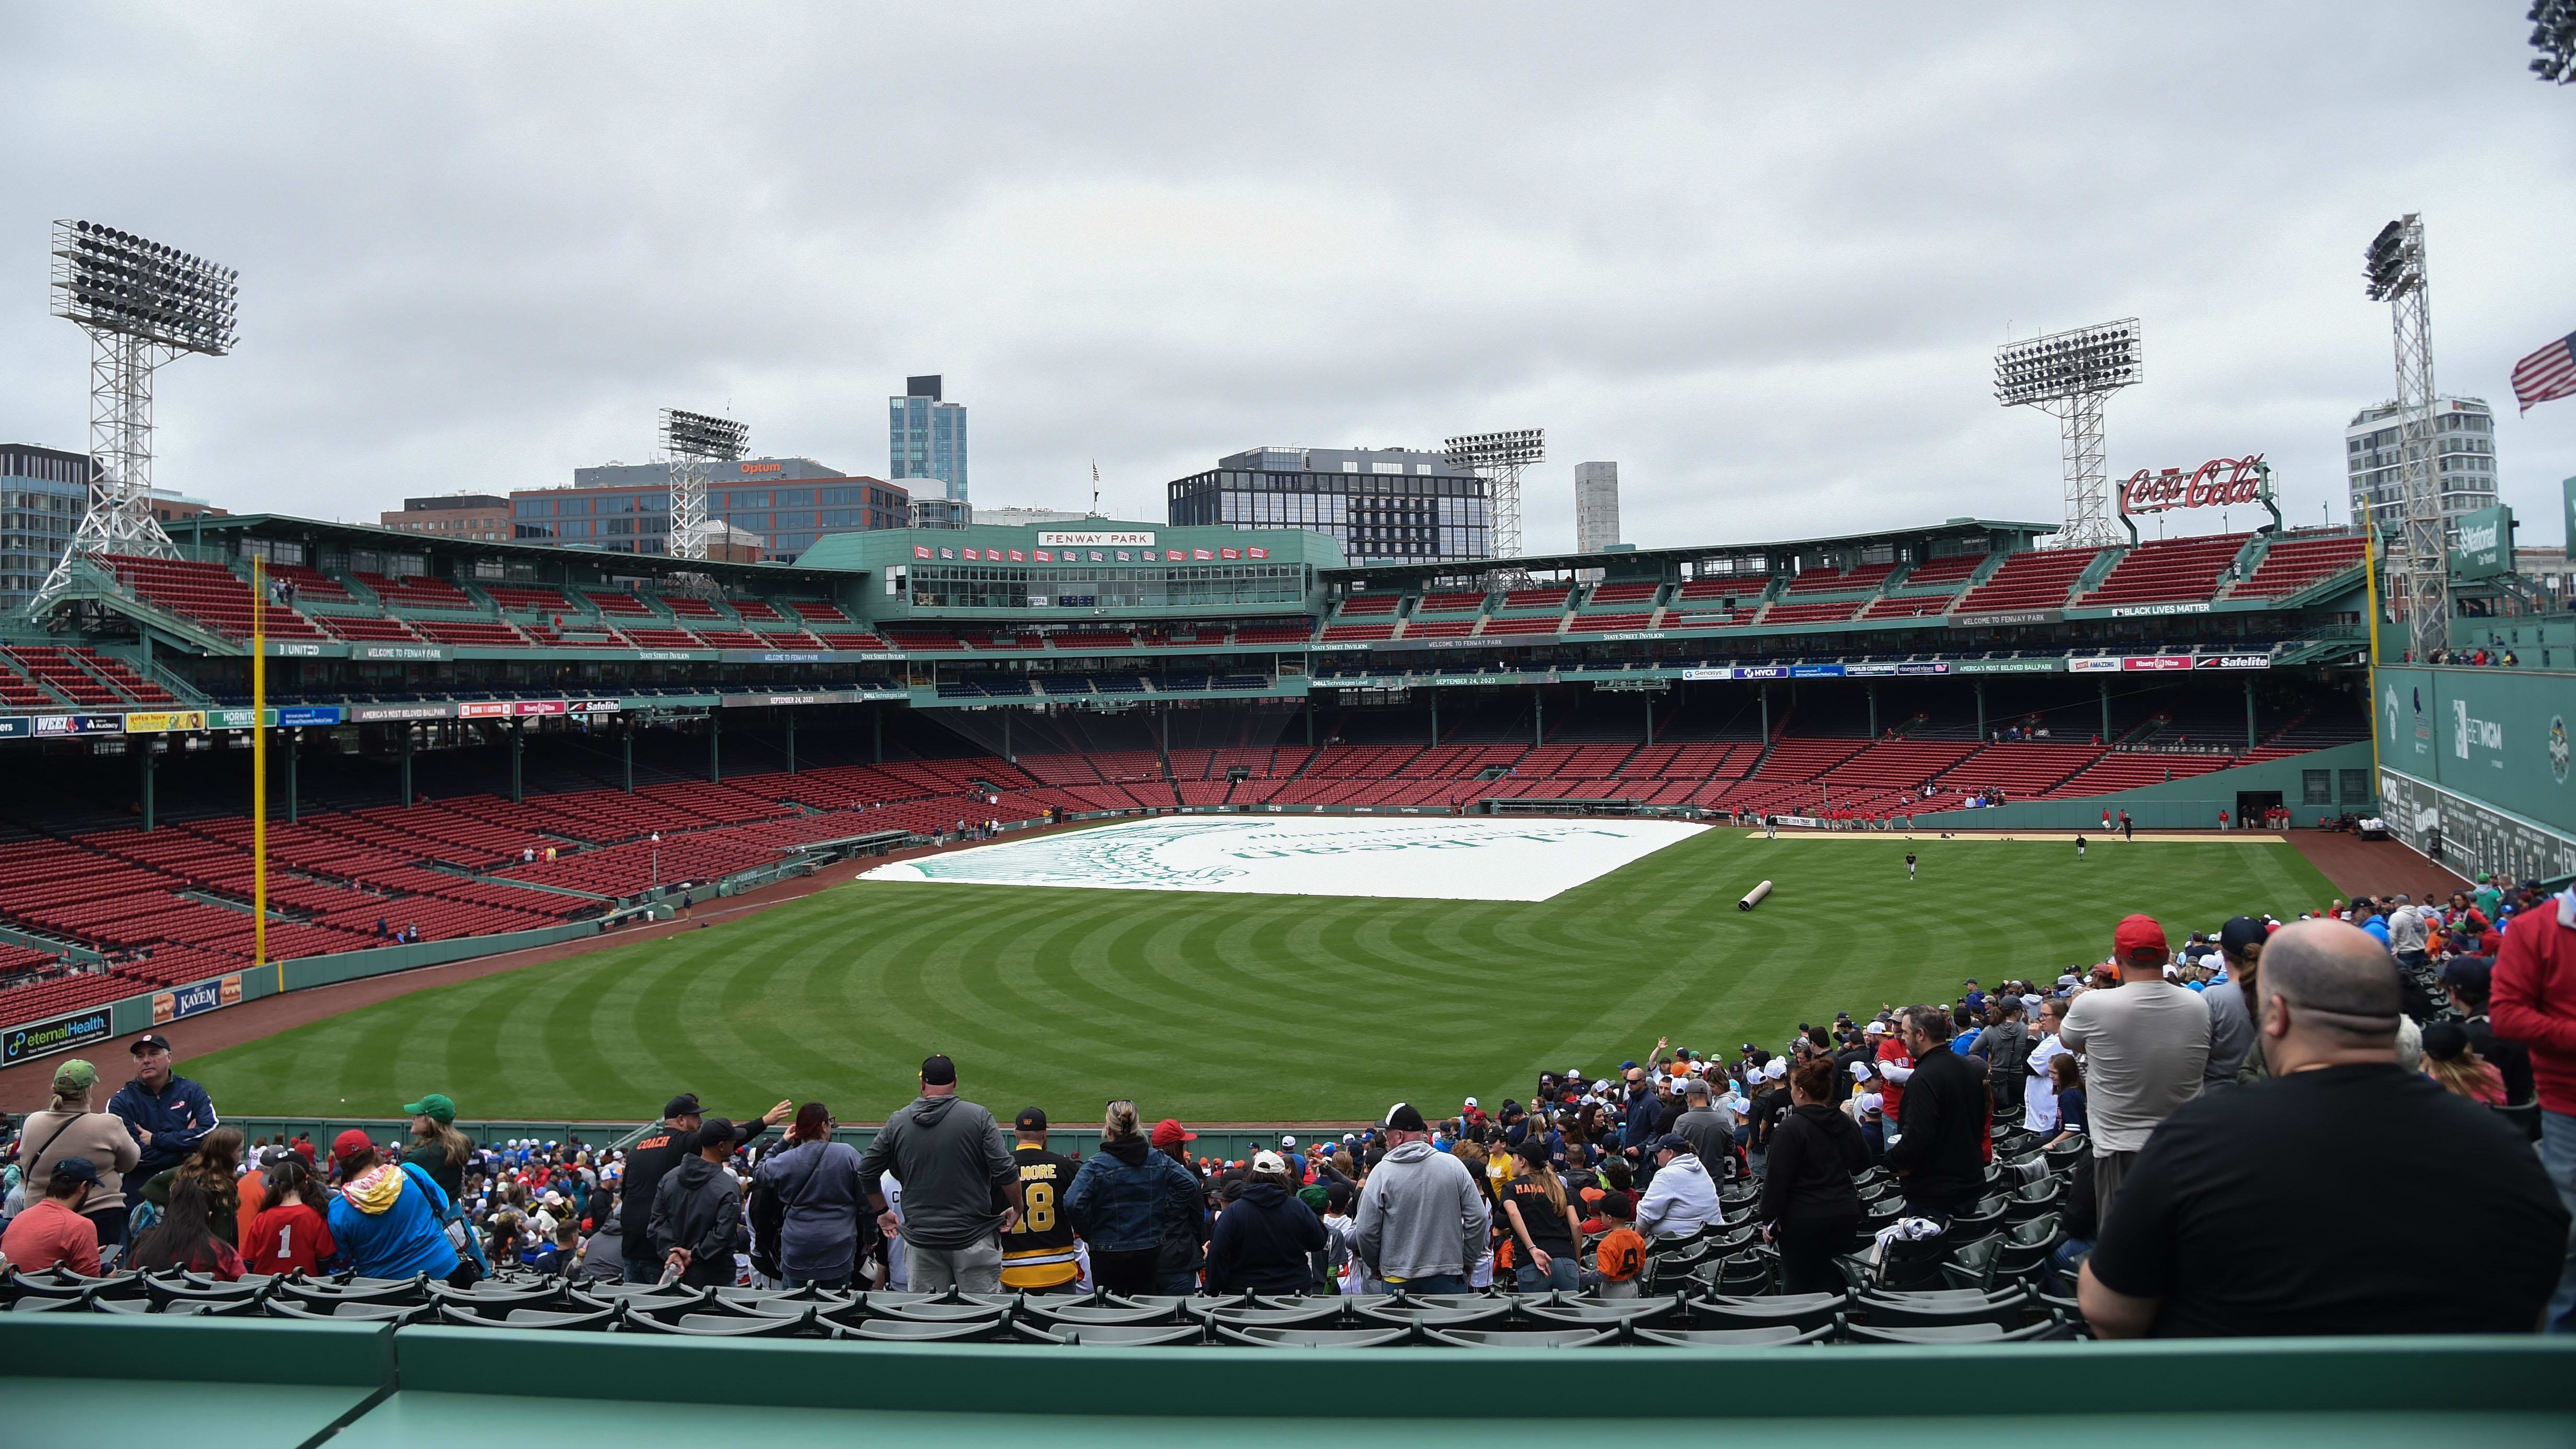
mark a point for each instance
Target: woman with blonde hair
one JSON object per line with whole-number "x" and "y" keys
{"x": 1124, "y": 1199}
{"x": 70, "y": 1128}
{"x": 2456, "y": 1067}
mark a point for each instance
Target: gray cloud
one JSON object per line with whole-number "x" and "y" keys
{"x": 1760, "y": 259}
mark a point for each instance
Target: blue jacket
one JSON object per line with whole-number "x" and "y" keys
{"x": 1124, "y": 1200}
{"x": 1643, "y": 1110}
{"x": 404, "y": 1239}
{"x": 1262, "y": 1241}
{"x": 178, "y": 1116}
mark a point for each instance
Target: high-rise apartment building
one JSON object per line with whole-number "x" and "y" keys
{"x": 2464, "y": 450}
{"x": 1596, "y": 506}
{"x": 1381, "y": 503}
{"x": 926, "y": 438}
{"x": 43, "y": 493}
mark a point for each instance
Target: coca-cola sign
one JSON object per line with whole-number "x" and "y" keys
{"x": 2216, "y": 482}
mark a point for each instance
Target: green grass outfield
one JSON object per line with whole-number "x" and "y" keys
{"x": 1253, "y": 1008}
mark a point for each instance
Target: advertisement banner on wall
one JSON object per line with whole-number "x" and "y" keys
{"x": 2468, "y": 836}
{"x": 484, "y": 709}
{"x": 396, "y": 713}
{"x": 2155, "y": 663}
{"x": 305, "y": 715}
{"x": 204, "y": 996}
{"x": 2232, "y": 661}
{"x": 56, "y": 1034}
{"x": 525, "y": 707}
{"x": 2485, "y": 545}
{"x": 2013, "y": 666}
{"x": 162, "y": 722}
{"x": 53, "y": 726}
{"x": 407, "y": 653}
{"x": 594, "y": 706}
{"x": 17, "y": 727}
{"x": 1815, "y": 671}
{"x": 2093, "y": 666}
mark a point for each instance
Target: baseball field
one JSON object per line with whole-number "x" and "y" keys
{"x": 1125, "y": 962}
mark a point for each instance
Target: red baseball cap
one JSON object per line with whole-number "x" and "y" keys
{"x": 2138, "y": 933}
{"x": 1169, "y": 1133}
{"x": 350, "y": 1144}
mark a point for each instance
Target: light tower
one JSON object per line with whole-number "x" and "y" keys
{"x": 2393, "y": 268}
{"x": 142, "y": 304}
{"x": 2068, "y": 375}
{"x": 1500, "y": 457}
{"x": 691, "y": 441}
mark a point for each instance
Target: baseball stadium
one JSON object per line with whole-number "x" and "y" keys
{"x": 954, "y": 973}
{"x": 1260, "y": 802}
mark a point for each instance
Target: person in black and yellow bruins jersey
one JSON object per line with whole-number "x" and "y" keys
{"x": 1038, "y": 1253}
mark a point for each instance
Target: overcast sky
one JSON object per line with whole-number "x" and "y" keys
{"x": 1758, "y": 255}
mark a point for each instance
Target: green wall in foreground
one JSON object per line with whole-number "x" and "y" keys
{"x": 277, "y": 1383}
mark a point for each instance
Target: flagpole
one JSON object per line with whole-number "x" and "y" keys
{"x": 259, "y": 767}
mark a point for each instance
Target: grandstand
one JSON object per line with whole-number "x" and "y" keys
{"x": 466, "y": 708}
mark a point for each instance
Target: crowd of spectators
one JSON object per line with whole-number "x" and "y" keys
{"x": 2255, "y": 1111}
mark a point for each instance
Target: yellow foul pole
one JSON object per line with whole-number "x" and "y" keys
{"x": 259, "y": 766}
{"x": 2370, "y": 675}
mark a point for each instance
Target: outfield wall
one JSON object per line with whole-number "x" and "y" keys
{"x": 2474, "y": 766}
{"x": 69, "y": 1031}
{"x": 2191, "y": 804}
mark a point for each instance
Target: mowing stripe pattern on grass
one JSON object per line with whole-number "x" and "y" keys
{"x": 1232, "y": 1007}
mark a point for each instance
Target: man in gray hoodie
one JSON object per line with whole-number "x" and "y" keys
{"x": 1422, "y": 1224}
{"x": 954, "y": 1165}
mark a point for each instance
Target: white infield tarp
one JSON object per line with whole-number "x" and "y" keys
{"x": 1434, "y": 859}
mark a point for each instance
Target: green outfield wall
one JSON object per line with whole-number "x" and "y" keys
{"x": 2474, "y": 767}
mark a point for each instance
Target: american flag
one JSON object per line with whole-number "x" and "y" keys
{"x": 2546, "y": 375}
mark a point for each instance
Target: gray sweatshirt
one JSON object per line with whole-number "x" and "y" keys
{"x": 1420, "y": 1215}
{"x": 952, "y": 1161}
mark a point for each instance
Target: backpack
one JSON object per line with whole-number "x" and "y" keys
{"x": 1622, "y": 1255}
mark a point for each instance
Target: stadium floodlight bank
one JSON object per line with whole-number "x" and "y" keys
{"x": 2393, "y": 272}
{"x": 2068, "y": 375}
{"x": 143, "y": 303}
{"x": 691, "y": 441}
{"x": 1501, "y": 457}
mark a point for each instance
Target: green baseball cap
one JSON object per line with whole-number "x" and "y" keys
{"x": 75, "y": 1076}
{"x": 435, "y": 1107}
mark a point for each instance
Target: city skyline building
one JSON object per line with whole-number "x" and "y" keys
{"x": 1380, "y": 504}
{"x": 1596, "y": 506}
{"x": 926, "y": 438}
{"x": 43, "y": 493}
{"x": 2464, "y": 461}
{"x": 476, "y": 516}
{"x": 788, "y": 503}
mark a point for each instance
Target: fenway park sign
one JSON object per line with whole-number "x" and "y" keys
{"x": 2214, "y": 483}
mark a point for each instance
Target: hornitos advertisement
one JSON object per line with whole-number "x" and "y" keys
{"x": 2474, "y": 766}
